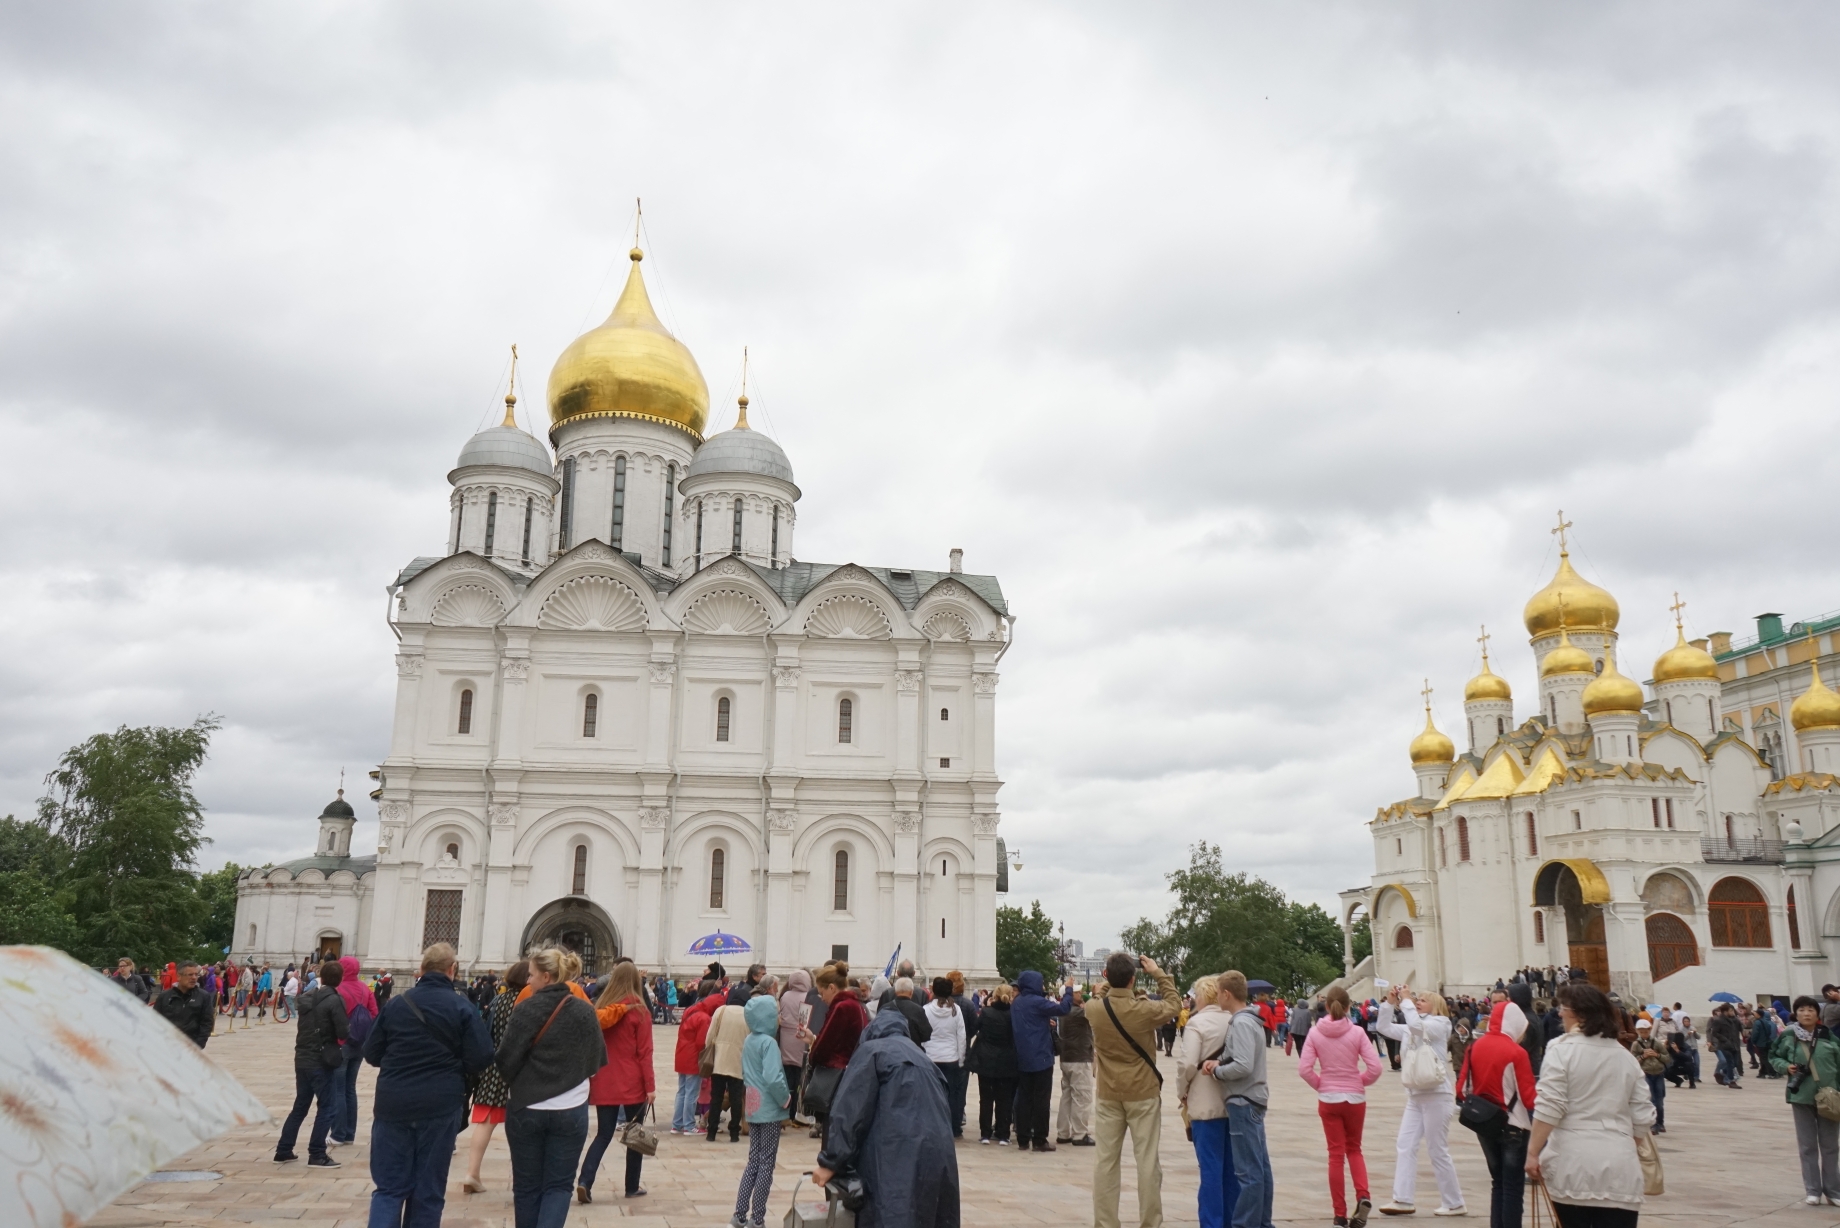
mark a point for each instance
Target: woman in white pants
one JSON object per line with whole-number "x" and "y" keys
{"x": 1422, "y": 1020}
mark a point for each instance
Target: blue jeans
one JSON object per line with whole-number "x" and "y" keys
{"x": 683, "y": 1113}
{"x": 1219, "y": 1187}
{"x": 345, "y": 1096}
{"x": 1657, "y": 1096}
{"x": 308, "y": 1086}
{"x": 1506, "y": 1154}
{"x": 545, "y": 1146}
{"x": 1730, "y": 1065}
{"x": 409, "y": 1162}
{"x": 1251, "y": 1165}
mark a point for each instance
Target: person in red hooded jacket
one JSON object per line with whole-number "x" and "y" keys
{"x": 626, "y": 1086}
{"x": 1497, "y": 1069}
{"x": 692, "y": 1035}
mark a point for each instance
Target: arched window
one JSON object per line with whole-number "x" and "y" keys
{"x": 722, "y": 710}
{"x": 699, "y": 532}
{"x": 252, "y": 934}
{"x": 1539, "y": 927}
{"x": 718, "y": 874}
{"x": 1402, "y": 938}
{"x": 466, "y": 711}
{"x": 453, "y": 851}
{"x": 737, "y": 546}
{"x": 1670, "y": 813}
{"x": 773, "y": 559}
{"x": 579, "y": 883}
{"x": 845, "y": 711}
{"x": 459, "y": 519}
{"x": 568, "y": 501}
{"x": 1443, "y": 852}
{"x": 530, "y": 514}
{"x": 840, "y": 881}
{"x": 1739, "y": 915}
{"x": 1533, "y": 837}
{"x": 945, "y": 715}
{"x": 1671, "y": 945}
{"x": 1654, "y": 810}
{"x": 1501, "y": 726}
{"x": 619, "y": 501}
{"x": 670, "y": 496}
{"x": 1462, "y": 838}
{"x": 1670, "y": 711}
{"x": 491, "y": 521}
{"x": 590, "y": 715}
{"x": 1795, "y": 929}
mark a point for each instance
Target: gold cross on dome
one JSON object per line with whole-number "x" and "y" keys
{"x": 1427, "y": 694}
{"x": 1677, "y": 607}
{"x": 1564, "y": 524}
{"x": 1483, "y": 639}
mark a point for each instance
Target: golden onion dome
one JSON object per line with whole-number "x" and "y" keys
{"x": 1432, "y": 746}
{"x": 630, "y": 367}
{"x": 1566, "y": 658}
{"x": 1817, "y": 707}
{"x": 1569, "y": 597}
{"x": 1684, "y": 661}
{"x": 1610, "y": 691}
{"x": 1487, "y": 685}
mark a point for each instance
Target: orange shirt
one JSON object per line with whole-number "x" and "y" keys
{"x": 608, "y": 1015}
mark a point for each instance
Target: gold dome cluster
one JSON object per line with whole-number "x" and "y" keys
{"x": 1569, "y": 598}
{"x": 1566, "y": 658}
{"x": 630, "y": 367}
{"x": 1816, "y": 708}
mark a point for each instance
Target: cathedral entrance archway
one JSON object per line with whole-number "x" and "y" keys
{"x": 575, "y": 924}
{"x": 1579, "y": 887}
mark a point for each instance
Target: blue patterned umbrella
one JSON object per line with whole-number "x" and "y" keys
{"x": 1732, "y": 998}
{"x": 719, "y": 943}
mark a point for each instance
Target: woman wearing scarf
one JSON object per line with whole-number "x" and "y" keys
{"x": 360, "y": 1013}
{"x": 1809, "y": 1055}
{"x": 794, "y": 1010}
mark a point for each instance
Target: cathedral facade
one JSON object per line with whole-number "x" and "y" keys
{"x": 1672, "y": 842}
{"x": 628, "y": 717}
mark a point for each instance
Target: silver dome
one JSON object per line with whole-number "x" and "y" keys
{"x": 741, "y": 450}
{"x": 507, "y": 447}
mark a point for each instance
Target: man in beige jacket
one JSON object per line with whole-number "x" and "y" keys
{"x": 1129, "y": 1091}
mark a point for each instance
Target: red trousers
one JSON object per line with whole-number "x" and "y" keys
{"x": 1341, "y": 1125}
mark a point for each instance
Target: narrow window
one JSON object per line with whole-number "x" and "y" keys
{"x": 619, "y": 500}
{"x": 670, "y": 497}
{"x": 1462, "y": 838}
{"x": 1729, "y": 838}
{"x": 945, "y": 715}
{"x": 491, "y": 521}
{"x": 722, "y": 709}
{"x": 530, "y": 514}
{"x": 1501, "y": 726}
{"x": 1670, "y": 813}
{"x": 844, "y": 708}
{"x": 590, "y": 715}
{"x": 1654, "y": 810}
{"x": 1399, "y": 847}
{"x": 1533, "y": 837}
{"x": 942, "y": 927}
{"x": 453, "y": 851}
{"x": 1443, "y": 850}
{"x": 1670, "y": 712}
{"x": 580, "y": 883}
{"x": 466, "y": 711}
{"x": 942, "y": 867}
{"x": 1577, "y": 820}
{"x": 718, "y": 864}
{"x": 568, "y": 501}
{"x": 459, "y": 520}
{"x": 1629, "y": 745}
{"x": 774, "y": 560}
{"x": 945, "y": 763}
{"x": 1539, "y": 927}
{"x": 699, "y": 533}
{"x": 1711, "y": 723}
{"x": 840, "y": 882}
{"x": 737, "y": 546}
{"x": 1795, "y": 929}
{"x": 252, "y": 933}
{"x": 1553, "y": 702}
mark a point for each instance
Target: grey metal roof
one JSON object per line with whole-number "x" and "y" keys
{"x": 337, "y": 808}
{"x": 741, "y": 450}
{"x": 908, "y": 585}
{"x": 509, "y": 448}
{"x": 359, "y": 866}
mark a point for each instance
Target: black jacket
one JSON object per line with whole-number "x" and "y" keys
{"x": 572, "y": 1049}
{"x": 191, "y": 1011}
{"x": 891, "y": 1123}
{"x": 322, "y": 1024}
{"x": 136, "y": 985}
{"x": 1724, "y": 1032}
{"x": 423, "y": 1066}
{"x": 994, "y": 1054}
{"x": 918, "y": 1029}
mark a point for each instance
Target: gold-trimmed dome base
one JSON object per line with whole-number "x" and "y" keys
{"x": 629, "y": 366}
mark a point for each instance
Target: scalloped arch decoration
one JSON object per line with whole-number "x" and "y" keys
{"x": 468, "y": 605}
{"x": 946, "y": 625}
{"x": 593, "y": 603}
{"x": 849, "y": 617}
{"x": 727, "y": 611}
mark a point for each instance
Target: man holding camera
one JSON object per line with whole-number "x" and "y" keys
{"x": 1129, "y": 1088}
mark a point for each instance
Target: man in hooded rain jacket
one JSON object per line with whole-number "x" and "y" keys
{"x": 1030, "y": 1018}
{"x": 890, "y": 1124}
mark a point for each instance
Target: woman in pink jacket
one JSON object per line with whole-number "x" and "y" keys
{"x": 1339, "y": 1060}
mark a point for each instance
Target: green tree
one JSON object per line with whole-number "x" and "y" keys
{"x": 1363, "y": 937}
{"x": 33, "y": 860}
{"x": 217, "y": 909}
{"x": 123, "y": 803}
{"x": 1025, "y": 940}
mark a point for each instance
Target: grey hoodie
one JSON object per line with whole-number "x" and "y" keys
{"x": 1242, "y": 1066}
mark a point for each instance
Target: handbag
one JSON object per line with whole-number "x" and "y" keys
{"x": 1544, "y": 1214}
{"x": 843, "y": 1197}
{"x": 640, "y": 1137}
{"x": 1650, "y": 1155}
{"x": 1477, "y": 1112}
{"x": 1424, "y": 1067}
{"x": 820, "y": 1089}
{"x": 706, "y": 1060}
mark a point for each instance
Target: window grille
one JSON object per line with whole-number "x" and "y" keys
{"x": 737, "y": 546}
{"x": 491, "y": 521}
{"x": 568, "y": 501}
{"x": 590, "y": 715}
{"x": 466, "y": 712}
{"x": 840, "y": 882}
{"x": 718, "y": 867}
{"x": 530, "y": 514}
{"x": 722, "y": 711}
{"x": 844, "y": 714}
{"x": 580, "y": 884}
{"x": 619, "y": 501}
{"x": 441, "y": 919}
{"x": 670, "y": 498}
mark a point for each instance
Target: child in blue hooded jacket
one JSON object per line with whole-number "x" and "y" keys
{"x": 767, "y": 1098}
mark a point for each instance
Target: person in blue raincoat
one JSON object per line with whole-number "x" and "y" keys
{"x": 890, "y": 1124}
{"x": 1031, "y": 1017}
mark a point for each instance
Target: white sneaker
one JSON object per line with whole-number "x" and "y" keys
{"x": 1813, "y": 1200}
{"x": 1451, "y": 1211}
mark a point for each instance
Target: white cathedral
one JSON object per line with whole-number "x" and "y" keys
{"x": 628, "y": 718}
{"x": 1672, "y": 844}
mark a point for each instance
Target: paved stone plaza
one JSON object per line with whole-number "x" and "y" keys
{"x": 1730, "y": 1159}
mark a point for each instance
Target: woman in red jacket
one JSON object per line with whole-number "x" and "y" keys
{"x": 692, "y": 1035}
{"x": 626, "y": 1085}
{"x": 1497, "y": 1069}
{"x": 837, "y": 1038}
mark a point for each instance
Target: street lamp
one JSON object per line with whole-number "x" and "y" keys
{"x": 1015, "y": 855}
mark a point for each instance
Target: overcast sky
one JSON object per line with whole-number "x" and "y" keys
{"x": 1252, "y": 347}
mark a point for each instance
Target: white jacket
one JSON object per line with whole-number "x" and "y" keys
{"x": 947, "y": 1044}
{"x": 1593, "y": 1095}
{"x": 1416, "y": 1029}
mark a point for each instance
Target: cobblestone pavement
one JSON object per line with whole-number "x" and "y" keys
{"x": 1730, "y": 1159}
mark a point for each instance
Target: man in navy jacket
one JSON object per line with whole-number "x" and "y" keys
{"x": 1030, "y": 1017}
{"x": 426, "y": 1043}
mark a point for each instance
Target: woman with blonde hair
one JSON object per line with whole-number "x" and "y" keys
{"x": 627, "y": 1085}
{"x": 1205, "y": 1039}
{"x": 551, "y": 1050}
{"x": 1421, "y": 1023}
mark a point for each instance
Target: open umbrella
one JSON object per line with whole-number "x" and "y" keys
{"x": 96, "y": 1091}
{"x": 1732, "y": 998}
{"x": 1260, "y": 987}
{"x": 718, "y": 944}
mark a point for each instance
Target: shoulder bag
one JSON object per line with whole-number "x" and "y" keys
{"x": 640, "y": 1137}
{"x": 1650, "y": 1156}
{"x": 1479, "y": 1113}
{"x": 820, "y": 1089}
{"x": 472, "y": 1080}
{"x": 1826, "y": 1097}
{"x": 1424, "y": 1067}
{"x": 706, "y": 1060}
{"x": 1135, "y": 1047}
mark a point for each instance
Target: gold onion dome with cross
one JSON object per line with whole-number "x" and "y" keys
{"x": 1610, "y": 691}
{"x": 1585, "y": 604}
{"x": 1431, "y": 746}
{"x": 1684, "y": 661}
{"x": 1816, "y": 708}
{"x": 630, "y": 366}
{"x": 1488, "y": 684}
